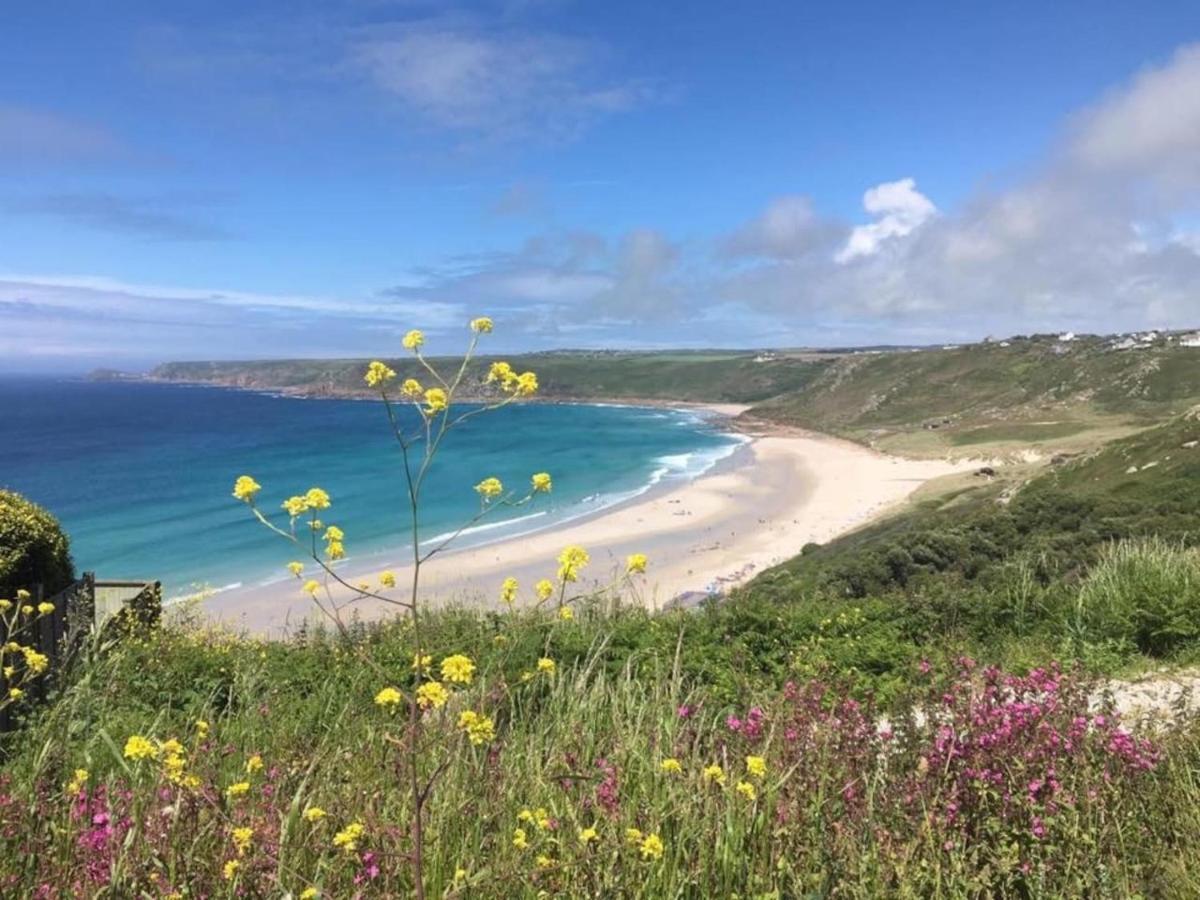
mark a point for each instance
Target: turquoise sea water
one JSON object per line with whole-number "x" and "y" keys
{"x": 140, "y": 474}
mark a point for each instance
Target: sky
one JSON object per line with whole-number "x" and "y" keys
{"x": 260, "y": 178}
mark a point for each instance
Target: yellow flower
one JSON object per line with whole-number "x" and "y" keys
{"x": 713, "y": 773}
{"x": 635, "y": 564}
{"x": 295, "y": 506}
{"x": 45, "y": 608}
{"x": 311, "y": 587}
{"x": 23, "y": 595}
{"x": 502, "y": 373}
{"x": 241, "y": 839}
{"x": 317, "y": 498}
{"x": 5, "y": 605}
{"x": 508, "y": 590}
{"x": 546, "y": 665}
{"x": 411, "y": 388}
{"x": 520, "y": 839}
{"x": 756, "y": 766}
{"x": 378, "y": 374}
{"x": 587, "y": 835}
{"x": 489, "y": 488}
{"x": 295, "y": 567}
{"x": 542, "y": 818}
{"x": 458, "y": 669}
{"x": 542, "y": 483}
{"x": 652, "y": 847}
{"x": 37, "y": 663}
{"x": 335, "y": 550}
{"x": 201, "y": 729}
{"x": 422, "y": 663}
{"x": 566, "y": 613}
{"x": 527, "y": 384}
{"x": 746, "y": 789}
{"x": 524, "y": 816}
{"x": 15, "y": 693}
{"x": 432, "y": 694}
{"x": 254, "y": 764}
{"x": 27, "y": 609}
{"x": 230, "y": 869}
{"x": 349, "y": 836}
{"x": 482, "y": 325}
{"x": 633, "y": 836}
{"x": 389, "y": 696}
{"x": 479, "y": 729}
{"x": 387, "y": 579}
{"x": 545, "y": 862}
{"x": 544, "y": 589}
{"x": 309, "y": 893}
{"x": 171, "y": 747}
{"x": 137, "y": 747}
{"x": 460, "y": 873}
{"x": 237, "y": 790}
{"x": 435, "y": 401}
{"x": 570, "y": 561}
{"x": 670, "y": 766}
{"x": 413, "y": 340}
{"x": 314, "y": 814}
{"x": 245, "y": 488}
{"x": 77, "y": 782}
{"x": 333, "y": 533}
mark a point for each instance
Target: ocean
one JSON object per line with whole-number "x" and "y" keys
{"x": 140, "y": 474}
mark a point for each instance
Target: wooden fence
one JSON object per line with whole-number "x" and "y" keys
{"x": 80, "y": 608}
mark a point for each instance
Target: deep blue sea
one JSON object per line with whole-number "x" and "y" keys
{"x": 140, "y": 474}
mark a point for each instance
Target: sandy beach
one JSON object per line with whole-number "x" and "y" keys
{"x": 779, "y": 492}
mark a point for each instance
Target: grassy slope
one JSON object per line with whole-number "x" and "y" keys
{"x": 698, "y": 376}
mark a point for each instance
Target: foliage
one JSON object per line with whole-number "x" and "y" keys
{"x": 33, "y": 548}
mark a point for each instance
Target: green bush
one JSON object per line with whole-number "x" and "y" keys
{"x": 33, "y": 547}
{"x": 1146, "y": 593}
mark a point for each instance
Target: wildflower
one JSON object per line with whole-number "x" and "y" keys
{"x": 309, "y": 893}
{"x": 527, "y": 384}
{"x": 566, "y": 613}
{"x": 137, "y": 747}
{"x": 413, "y": 340}
{"x": 633, "y": 836}
{"x": 245, "y": 488}
{"x": 520, "y": 839}
{"x": 15, "y": 693}
{"x": 756, "y": 766}
{"x": 458, "y": 668}
{"x": 23, "y": 595}
{"x": 387, "y": 579}
{"x": 422, "y": 663}
{"x": 348, "y": 837}
{"x": 313, "y": 814}
{"x": 27, "y": 609}
{"x": 482, "y": 325}
{"x": 378, "y": 374}
{"x": 336, "y": 550}
{"x": 435, "y": 401}
{"x": 479, "y": 729}
{"x": 635, "y": 564}
{"x": 295, "y": 506}
{"x": 237, "y": 790}
{"x": 201, "y": 729}
{"x": 508, "y": 590}
{"x": 587, "y": 835}
{"x": 570, "y": 561}
{"x": 295, "y": 567}
{"x": 78, "y": 781}
{"x": 254, "y": 764}
{"x": 432, "y": 694}
{"x": 652, "y": 847}
{"x": 502, "y": 373}
{"x": 746, "y": 789}
{"x": 5, "y": 605}
{"x": 671, "y": 766}
{"x": 541, "y": 483}
{"x": 333, "y": 533}
{"x": 460, "y": 874}
{"x": 544, "y": 589}
{"x": 241, "y": 839}
{"x": 714, "y": 773}
{"x": 230, "y": 869}
{"x": 389, "y": 696}
{"x": 45, "y": 608}
{"x": 411, "y": 388}
{"x": 489, "y": 488}
{"x": 317, "y": 498}
{"x": 546, "y": 665}
{"x": 544, "y": 862}
{"x": 34, "y": 661}
{"x": 311, "y": 587}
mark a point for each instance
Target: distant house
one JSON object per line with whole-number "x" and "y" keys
{"x": 1066, "y": 337}
{"x": 1190, "y": 340}
{"x": 1123, "y": 344}
{"x": 1005, "y": 344}
{"x": 765, "y": 356}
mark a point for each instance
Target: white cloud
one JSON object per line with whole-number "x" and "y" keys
{"x": 899, "y": 209}
{"x": 788, "y": 228}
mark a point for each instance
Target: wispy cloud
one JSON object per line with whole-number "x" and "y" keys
{"x": 37, "y": 137}
{"x": 152, "y": 218}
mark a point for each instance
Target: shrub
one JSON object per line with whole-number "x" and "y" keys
{"x": 1146, "y": 593}
{"x": 33, "y": 547}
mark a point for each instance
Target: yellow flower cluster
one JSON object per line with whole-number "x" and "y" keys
{"x": 78, "y": 781}
{"x": 334, "y": 548}
{"x": 746, "y": 789}
{"x": 241, "y": 839}
{"x": 542, "y": 483}
{"x": 489, "y": 488}
{"x": 458, "y": 668}
{"x": 313, "y": 814}
{"x": 635, "y": 564}
{"x": 413, "y": 340}
{"x": 505, "y": 377}
{"x": 436, "y": 401}
{"x": 389, "y": 696}
{"x": 714, "y": 774}
{"x": 508, "y": 590}
{"x": 245, "y": 488}
{"x": 411, "y": 388}
{"x": 480, "y": 729}
{"x": 544, "y": 589}
{"x": 347, "y": 839}
{"x": 313, "y": 499}
{"x": 546, "y": 666}
{"x": 756, "y": 766}
{"x": 571, "y": 561}
{"x": 378, "y": 374}
{"x": 671, "y": 766}
{"x": 387, "y": 579}
{"x": 482, "y": 325}
{"x": 432, "y": 694}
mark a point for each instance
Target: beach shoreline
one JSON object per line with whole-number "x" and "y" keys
{"x": 757, "y": 507}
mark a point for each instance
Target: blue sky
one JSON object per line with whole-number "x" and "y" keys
{"x": 207, "y": 179}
